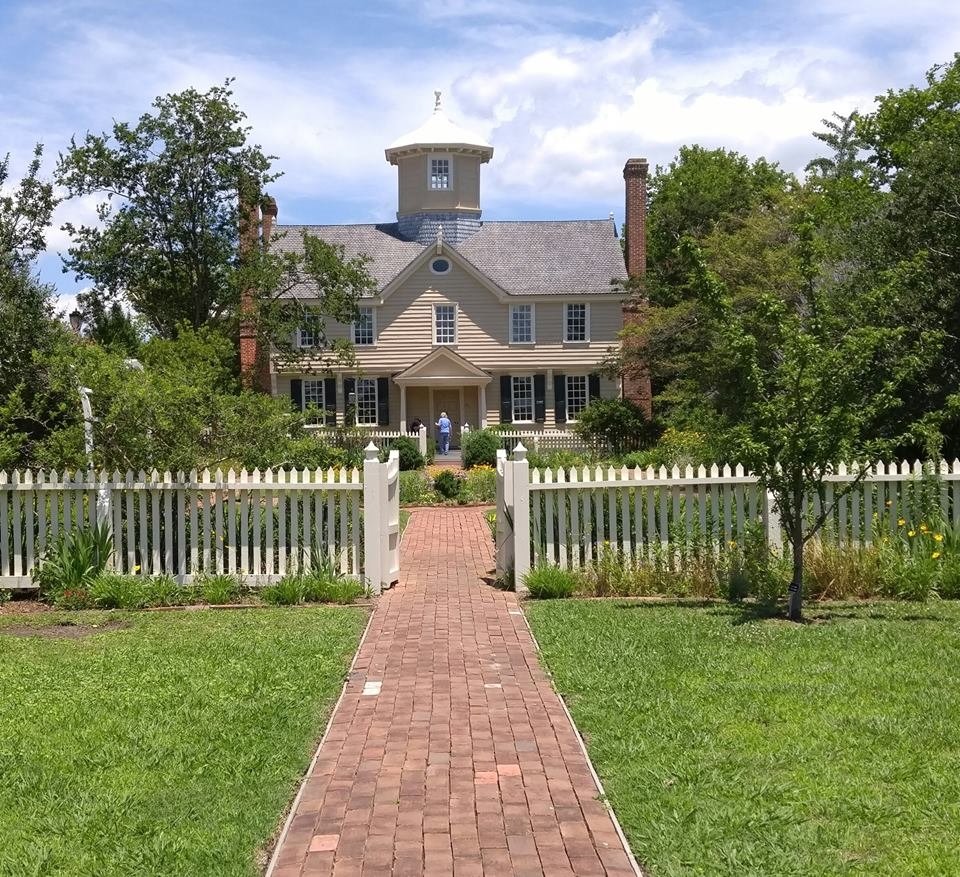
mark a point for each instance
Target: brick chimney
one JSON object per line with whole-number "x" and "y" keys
{"x": 636, "y": 384}
{"x": 268, "y": 207}
{"x": 249, "y": 241}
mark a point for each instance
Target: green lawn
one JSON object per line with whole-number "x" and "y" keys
{"x": 731, "y": 745}
{"x": 170, "y": 746}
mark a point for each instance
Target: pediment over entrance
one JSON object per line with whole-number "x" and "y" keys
{"x": 442, "y": 366}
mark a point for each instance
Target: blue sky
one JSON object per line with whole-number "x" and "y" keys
{"x": 564, "y": 91}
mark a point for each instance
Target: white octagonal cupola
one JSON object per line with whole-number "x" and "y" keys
{"x": 438, "y": 177}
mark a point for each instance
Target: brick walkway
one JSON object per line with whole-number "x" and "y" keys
{"x": 450, "y": 752}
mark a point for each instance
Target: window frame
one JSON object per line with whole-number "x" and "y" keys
{"x": 533, "y": 323}
{"x": 456, "y": 317}
{"x": 442, "y": 156}
{"x": 373, "y": 328}
{"x": 566, "y": 393}
{"x": 301, "y": 344}
{"x": 356, "y": 402}
{"x": 320, "y": 408}
{"x": 586, "y": 323}
{"x": 513, "y": 399}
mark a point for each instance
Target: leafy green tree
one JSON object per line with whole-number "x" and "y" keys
{"x": 619, "y": 423}
{"x": 27, "y": 324}
{"x": 111, "y": 326}
{"x": 842, "y": 136}
{"x": 175, "y": 239}
{"x": 798, "y": 388}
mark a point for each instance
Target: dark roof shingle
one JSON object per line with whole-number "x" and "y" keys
{"x": 561, "y": 257}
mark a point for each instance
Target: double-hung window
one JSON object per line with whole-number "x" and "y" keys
{"x": 522, "y": 391}
{"x": 309, "y": 334}
{"x": 444, "y": 324}
{"x": 576, "y": 322}
{"x": 521, "y": 324}
{"x": 366, "y": 405}
{"x": 314, "y": 401}
{"x": 439, "y": 173}
{"x": 364, "y": 331}
{"x": 578, "y": 396}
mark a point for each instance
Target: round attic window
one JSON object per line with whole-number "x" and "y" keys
{"x": 440, "y": 266}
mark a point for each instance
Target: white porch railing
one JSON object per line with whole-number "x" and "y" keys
{"x": 259, "y": 525}
{"x": 563, "y": 517}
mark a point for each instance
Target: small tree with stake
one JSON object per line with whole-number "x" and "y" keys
{"x": 806, "y": 398}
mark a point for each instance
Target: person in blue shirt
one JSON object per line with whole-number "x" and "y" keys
{"x": 443, "y": 424}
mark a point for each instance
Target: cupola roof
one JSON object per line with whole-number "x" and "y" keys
{"x": 438, "y": 133}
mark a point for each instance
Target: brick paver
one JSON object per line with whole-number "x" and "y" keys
{"x": 462, "y": 760}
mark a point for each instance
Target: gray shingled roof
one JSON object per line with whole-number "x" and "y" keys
{"x": 562, "y": 257}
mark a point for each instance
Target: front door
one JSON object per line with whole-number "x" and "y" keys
{"x": 446, "y": 399}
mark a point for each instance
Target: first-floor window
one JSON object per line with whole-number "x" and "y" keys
{"x": 363, "y": 333}
{"x": 314, "y": 402}
{"x": 523, "y": 399}
{"x": 366, "y": 402}
{"x": 578, "y": 396}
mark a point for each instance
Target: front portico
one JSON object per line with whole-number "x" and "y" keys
{"x": 443, "y": 381}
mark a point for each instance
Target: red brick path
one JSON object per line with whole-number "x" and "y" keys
{"x": 464, "y": 762}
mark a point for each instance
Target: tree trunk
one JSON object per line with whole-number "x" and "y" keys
{"x": 795, "y": 604}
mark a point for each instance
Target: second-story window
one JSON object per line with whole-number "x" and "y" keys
{"x": 444, "y": 324}
{"x": 364, "y": 333}
{"x": 439, "y": 173}
{"x": 309, "y": 334}
{"x": 521, "y": 324}
{"x": 576, "y": 322}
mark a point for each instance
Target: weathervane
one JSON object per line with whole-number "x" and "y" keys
{"x": 436, "y": 101}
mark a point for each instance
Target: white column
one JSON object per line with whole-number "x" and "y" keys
{"x": 403, "y": 408}
{"x": 463, "y": 416}
{"x": 521, "y": 518}
{"x": 483, "y": 406}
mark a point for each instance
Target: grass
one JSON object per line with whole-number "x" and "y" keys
{"x": 171, "y": 745}
{"x": 729, "y": 744}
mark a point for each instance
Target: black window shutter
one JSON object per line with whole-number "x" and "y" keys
{"x": 506, "y": 399}
{"x": 593, "y": 386}
{"x": 560, "y": 398}
{"x": 330, "y": 400}
{"x": 296, "y": 393}
{"x": 383, "y": 401}
{"x": 539, "y": 398}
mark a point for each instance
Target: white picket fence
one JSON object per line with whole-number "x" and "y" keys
{"x": 567, "y": 517}
{"x": 259, "y": 525}
{"x": 549, "y": 440}
{"x": 383, "y": 438}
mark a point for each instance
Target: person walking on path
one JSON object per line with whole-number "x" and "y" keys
{"x": 443, "y": 424}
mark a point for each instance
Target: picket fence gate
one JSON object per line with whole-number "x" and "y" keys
{"x": 569, "y": 517}
{"x": 258, "y": 525}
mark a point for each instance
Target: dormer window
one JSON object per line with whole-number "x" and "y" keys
{"x": 439, "y": 173}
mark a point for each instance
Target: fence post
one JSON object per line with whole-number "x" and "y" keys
{"x": 422, "y": 439}
{"x": 372, "y": 525}
{"x": 504, "y": 535}
{"x": 521, "y": 518}
{"x": 771, "y": 522}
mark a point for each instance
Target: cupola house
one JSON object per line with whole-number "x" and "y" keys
{"x": 489, "y": 321}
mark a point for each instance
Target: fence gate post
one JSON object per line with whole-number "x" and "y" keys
{"x": 771, "y": 523}
{"x": 372, "y": 526}
{"x": 422, "y": 439}
{"x": 521, "y": 517}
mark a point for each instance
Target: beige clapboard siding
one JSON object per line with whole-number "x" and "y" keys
{"x": 414, "y": 193}
{"x": 405, "y": 328}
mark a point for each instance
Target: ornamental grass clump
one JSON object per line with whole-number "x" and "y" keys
{"x": 550, "y": 582}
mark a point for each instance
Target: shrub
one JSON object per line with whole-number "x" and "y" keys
{"x": 949, "y": 586}
{"x": 111, "y": 590}
{"x": 675, "y": 448}
{"x": 447, "y": 484}
{"x": 75, "y": 560}
{"x": 550, "y": 582}
{"x": 311, "y": 452}
{"x": 480, "y": 448}
{"x": 289, "y": 591}
{"x": 479, "y": 485}
{"x": 620, "y": 423}
{"x": 72, "y": 598}
{"x": 416, "y": 488}
{"x": 410, "y": 456}
{"x": 320, "y": 589}
{"x": 163, "y": 591}
{"x": 557, "y": 460}
{"x": 218, "y": 589}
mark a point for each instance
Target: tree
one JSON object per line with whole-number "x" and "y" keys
{"x": 27, "y": 325}
{"x": 804, "y": 392}
{"x": 847, "y": 143}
